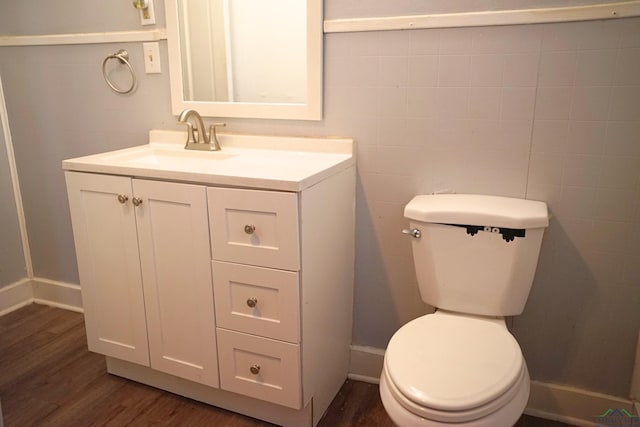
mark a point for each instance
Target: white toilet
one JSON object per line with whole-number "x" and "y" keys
{"x": 475, "y": 258}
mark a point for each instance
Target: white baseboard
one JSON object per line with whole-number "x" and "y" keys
{"x": 549, "y": 401}
{"x": 40, "y": 291}
{"x": 57, "y": 294}
{"x": 15, "y": 296}
{"x": 365, "y": 364}
{"x": 571, "y": 405}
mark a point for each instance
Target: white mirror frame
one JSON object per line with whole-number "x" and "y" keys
{"x": 312, "y": 110}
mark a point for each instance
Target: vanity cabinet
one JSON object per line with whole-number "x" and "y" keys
{"x": 144, "y": 264}
{"x": 224, "y": 277}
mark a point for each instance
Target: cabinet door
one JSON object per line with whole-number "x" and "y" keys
{"x": 104, "y": 230}
{"x": 175, "y": 258}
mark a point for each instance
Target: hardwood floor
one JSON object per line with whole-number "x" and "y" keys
{"x": 49, "y": 378}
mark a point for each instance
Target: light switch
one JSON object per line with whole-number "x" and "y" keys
{"x": 151, "y": 57}
{"x": 148, "y": 14}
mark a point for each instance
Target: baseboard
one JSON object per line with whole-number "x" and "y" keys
{"x": 549, "y": 401}
{"x": 40, "y": 291}
{"x": 571, "y": 405}
{"x": 15, "y": 296}
{"x": 57, "y": 294}
{"x": 365, "y": 364}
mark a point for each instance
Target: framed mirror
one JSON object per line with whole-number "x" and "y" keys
{"x": 246, "y": 58}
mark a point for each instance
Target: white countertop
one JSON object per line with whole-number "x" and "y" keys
{"x": 253, "y": 161}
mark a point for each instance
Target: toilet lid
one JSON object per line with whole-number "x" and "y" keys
{"x": 453, "y": 362}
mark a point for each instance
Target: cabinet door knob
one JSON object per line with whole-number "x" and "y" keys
{"x": 255, "y": 369}
{"x": 249, "y": 229}
{"x": 136, "y": 201}
{"x": 122, "y": 198}
{"x": 252, "y": 302}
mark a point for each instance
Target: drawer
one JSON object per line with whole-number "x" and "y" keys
{"x": 257, "y": 300}
{"x": 259, "y": 367}
{"x": 254, "y": 227}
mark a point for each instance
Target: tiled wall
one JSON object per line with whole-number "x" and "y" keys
{"x": 585, "y": 161}
{"x": 547, "y": 112}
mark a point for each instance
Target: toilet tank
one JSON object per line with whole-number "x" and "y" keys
{"x": 476, "y": 254}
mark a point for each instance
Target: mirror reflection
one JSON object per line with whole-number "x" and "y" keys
{"x": 243, "y": 50}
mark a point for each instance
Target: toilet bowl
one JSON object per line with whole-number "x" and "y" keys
{"x": 446, "y": 369}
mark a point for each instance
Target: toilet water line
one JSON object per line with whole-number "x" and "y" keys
{"x": 4, "y": 121}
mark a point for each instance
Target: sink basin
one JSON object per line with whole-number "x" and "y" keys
{"x": 167, "y": 158}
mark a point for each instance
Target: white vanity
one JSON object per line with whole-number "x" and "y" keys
{"x": 222, "y": 276}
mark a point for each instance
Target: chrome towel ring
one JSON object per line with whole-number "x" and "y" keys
{"x": 122, "y": 56}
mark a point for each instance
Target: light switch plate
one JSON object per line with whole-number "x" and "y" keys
{"x": 151, "y": 57}
{"x": 148, "y": 18}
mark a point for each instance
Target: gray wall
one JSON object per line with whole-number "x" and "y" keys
{"x": 59, "y": 107}
{"x": 548, "y": 112}
{"x": 12, "y": 266}
{"x": 27, "y": 17}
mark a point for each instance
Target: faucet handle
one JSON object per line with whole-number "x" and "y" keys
{"x": 213, "y": 137}
{"x": 212, "y": 128}
{"x": 190, "y": 135}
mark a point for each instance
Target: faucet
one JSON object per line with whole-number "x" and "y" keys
{"x": 194, "y": 136}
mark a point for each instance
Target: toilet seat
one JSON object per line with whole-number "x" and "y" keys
{"x": 454, "y": 367}
{"x": 458, "y": 416}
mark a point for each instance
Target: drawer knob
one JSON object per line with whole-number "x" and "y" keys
{"x": 136, "y": 201}
{"x": 249, "y": 229}
{"x": 252, "y": 302}
{"x": 255, "y": 369}
{"x": 122, "y": 198}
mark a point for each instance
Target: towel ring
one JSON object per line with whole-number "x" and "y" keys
{"x": 122, "y": 56}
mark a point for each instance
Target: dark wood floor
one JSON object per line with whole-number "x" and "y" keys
{"x": 48, "y": 378}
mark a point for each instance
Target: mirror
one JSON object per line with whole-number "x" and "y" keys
{"x": 246, "y": 58}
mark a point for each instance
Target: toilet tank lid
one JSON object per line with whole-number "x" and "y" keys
{"x": 476, "y": 209}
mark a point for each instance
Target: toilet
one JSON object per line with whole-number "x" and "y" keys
{"x": 475, "y": 258}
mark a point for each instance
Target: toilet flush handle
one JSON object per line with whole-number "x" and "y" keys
{"x": 414, "y": 232}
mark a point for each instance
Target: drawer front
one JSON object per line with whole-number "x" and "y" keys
{"x": 257, "y": 300}
{"x": 261, "y": 368}
{"x": 254, "y": 227}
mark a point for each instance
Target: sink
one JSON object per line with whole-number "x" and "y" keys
{"x": 168, "y": 158}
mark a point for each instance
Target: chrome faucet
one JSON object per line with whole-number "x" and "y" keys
{"x": 197, "y": 139}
